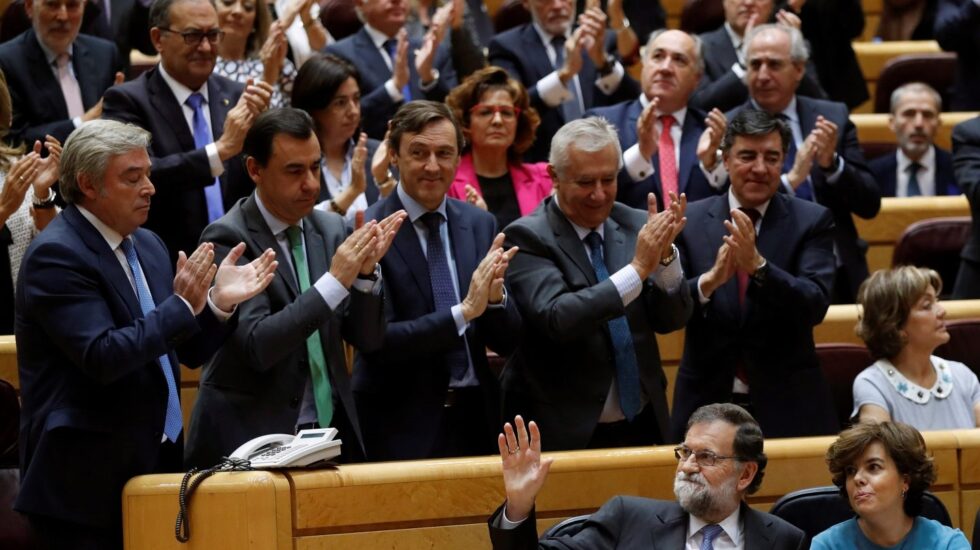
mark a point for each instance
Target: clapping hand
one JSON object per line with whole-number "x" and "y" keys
{"x": 234, "y": 284}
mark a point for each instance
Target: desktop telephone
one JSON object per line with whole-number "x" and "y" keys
{"x": 290, "y": 451}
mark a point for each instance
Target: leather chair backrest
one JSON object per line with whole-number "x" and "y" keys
{"x": 701, "y": 16}
{"x": 964, "y": 343}
{"x": 339, "y": 17}
{"x": 840, "y": 364}
{"x": 511, "y": 14}
{"x": 935, "y": 243}
{"x": 935, "y": 69}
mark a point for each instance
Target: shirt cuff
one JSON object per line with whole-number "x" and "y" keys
{"x": 506, "y": 523}
{"x": 701, "y": 297}
{"x": 461, "y": 324}
{"x": 435, "y": 80}
{"x": 219, "y": 313}
{"x": 77, "y": 122}
{"x": 331, "y": 290}
{"x": 716, "y": 178}
{"x": 610, "y": 83}
{"x": 787, "y": 185}
{"x": 368, "y": 286}
{"x": 840, "y": 168}
{"x": 551, "y": 91}
{"x": 628, "y": 283}
{"x": 217, "y": 167}
{"x": 739, "y": 70}
{"x": 393, "y": 92}
{"x": 671, "y": 276}
{"x": 637, "y": 167}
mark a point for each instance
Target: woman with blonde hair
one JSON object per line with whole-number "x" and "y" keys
{"x": 253, "y": 47}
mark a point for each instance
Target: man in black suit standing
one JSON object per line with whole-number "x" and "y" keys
{"x": 198, "y": 121}
{"x": 660, "y": 121}
{"x": 720, "y": 462}
{"x": 56, "y": 76}
{"x": 566, "y": 71}
{"x": 284, "y": 368}
{"x": 594, "y": 280}
{"x": 966, "y": 163}
{"x": 918, "y": 166}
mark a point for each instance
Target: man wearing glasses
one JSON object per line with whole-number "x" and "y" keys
{"x": 56, "y": 76}
{"x": 198, "y": 121}
{"x": 719, "y": 463}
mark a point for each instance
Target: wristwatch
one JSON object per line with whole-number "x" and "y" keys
{"x": 669, "y": 259}
{"x": 46, "y": 203}
{"x": 761, "y": 272}
{"x": 334, "y": 208}
{"x": 626, "y": 25}
{"x": 609, "y": 66}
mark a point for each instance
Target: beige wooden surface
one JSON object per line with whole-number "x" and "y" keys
{"x": 874, "y": 127}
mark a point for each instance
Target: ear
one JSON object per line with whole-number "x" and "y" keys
{"x": 87, "y": 186}
{"x": 749, "y": 469}
{"x": 254, "y": 169}
{"x": 29, "y": 8}
{"x": 155, "y": 35}
{"x": 800, "y": 70}
{"x": 393, "y": 157}
{"x": 891, "y": 122}
{"x": 553, "y": 174}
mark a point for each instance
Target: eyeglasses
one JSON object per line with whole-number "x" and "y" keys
{"x": 194, "y": 37}
{"x": 702, "y": 457}
{"x": 507, "y": 112}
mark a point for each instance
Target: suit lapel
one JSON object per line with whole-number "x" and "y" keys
{"x": 757, "y": 528}
{"x": 464, "y": 245}
{"x": 890, "y": 185}
{"x": 108, "y": 261}
{"x": 163, "y": 100}
{"x": 633, "y": 113}
{"x": 535, "y": 51}
{"x": 85, "y": 71}
{"x": 406, "y": 245}
{"x": 365, "y": 46}
{"x": 568, "y": 241}
{"x": 689, "y": 147}
{"x": 264, "y": 240}
{"x": 616, "y": 248}
{"x": 47, "y": 86}
{"x": 316, "y": 250}
{"x": 220, "y": 101}
{"x": 670, "y": 530}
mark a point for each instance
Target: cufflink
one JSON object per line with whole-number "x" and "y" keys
{"x": 225, "y": 102}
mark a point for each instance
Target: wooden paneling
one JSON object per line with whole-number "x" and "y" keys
{"x": 874, "y": 127}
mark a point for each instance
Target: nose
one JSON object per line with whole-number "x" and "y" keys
{"x": 497, "y": 118}
{"x": 688, "y": 465}
{"x": 940, "y": 311}
{"x": 919, "y": 119}
{"x": 432, "y": 162}
{"x": 149, "y": 190}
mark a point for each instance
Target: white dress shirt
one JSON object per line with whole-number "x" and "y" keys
{"x": 553, "y": 93}
{"x": 926, "y": 175}
{"x": 181, "y": 93}
{"x": 732, "y": 536}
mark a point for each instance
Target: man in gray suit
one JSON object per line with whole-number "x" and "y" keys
{"x": 593, "y": 280}
{"x": 284, "y": 368}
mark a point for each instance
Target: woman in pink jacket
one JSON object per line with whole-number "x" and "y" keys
{"x": 499, "y": 126}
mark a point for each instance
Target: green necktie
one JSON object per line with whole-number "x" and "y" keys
{"x": 314, "y": 348}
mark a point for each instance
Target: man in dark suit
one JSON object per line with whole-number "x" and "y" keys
{"x": 393, "y": 69}
{"x": 760, "y": 265}
{"x": 918, "y": 166}
{"x": 966, "y": 163}
{"x": 957, "y": 22}
{"x": 429, "y": 392}
{"x": 102, "y": 327}
{"x": 720, "y": 462}
{"x": 198, "y": 121}
{"x": 672, "y": 66}
{"x": 566, "y": 72}
{"x": 824, "y": 162}
{"x": 594, "y": 280}
{"x": 270, "y": 377}
{"x": 56, "y": 76}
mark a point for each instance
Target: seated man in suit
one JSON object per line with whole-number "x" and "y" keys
{"x": 284, "y": 368}
{"x": 429, "y": 391}
{"x": 394, "y": 70}
{"x": 720, "y": 462}
{"x": 594, "y": 280}
{"x": 566, "y": 71}
{"x": 723, "y": 85}
{"x": 661, "y": 121}
{"x": 102, "y": 328}
{"x": 824, "y": 162}
{"x": 966, "y": 163}
{"x": 760, "y": 264}
{"x": 198, "y": 121}
{"x": 918, "y": 166}
{"x": 56, "y": 76}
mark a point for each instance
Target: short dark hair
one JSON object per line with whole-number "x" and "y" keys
{"x": 319, "y": 79}
{"x": 289, "y": 121}
{"x": 753, "y": 122}
{"x": 886, "y": 299}
{"x": 414, "y": 116}
{"x": 160, "y": 11}
{"x": 748, "y": 442}
{"x": 903, "y": 443}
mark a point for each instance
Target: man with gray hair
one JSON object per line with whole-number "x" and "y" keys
{"x": 918, "y": 166}
{"x": 593, "y": 279}
{"x": 719, "y": 464}
{"x": 102, "y": 326}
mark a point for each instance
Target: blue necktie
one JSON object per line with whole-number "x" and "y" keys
{"x": 710, "y": 533}
{"x": 391, "y": 46}
{"x": 627, "y": 373}
{"x": 913, "y": 189}
{"x": 443, "y": 292}
{"x": 202, "y": 137}
{"x": 804, "y": 191}
{"x": 572, "y": 109}
{"x": 174, "y": 421}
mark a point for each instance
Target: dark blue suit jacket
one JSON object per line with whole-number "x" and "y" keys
{"x": 885, "y": 170}
{"x": 93, "y": 394}
{"x": 773, "y": 335}
{"x": 691, "y": 179}
{"x": 521, "y": 53}
{"x": 401, "y": 389}
{"x": 956, "y": 31}
{"x": 39, "y": 106}
{"x": 180, "y": 171}
{"x": 377, "y": 108}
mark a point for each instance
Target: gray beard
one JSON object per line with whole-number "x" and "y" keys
{"x": 700, "y": 500}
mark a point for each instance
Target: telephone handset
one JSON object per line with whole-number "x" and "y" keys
{"x": 290, "y": 451}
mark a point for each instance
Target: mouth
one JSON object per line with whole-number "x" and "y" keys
{"x": 862, "y": 496}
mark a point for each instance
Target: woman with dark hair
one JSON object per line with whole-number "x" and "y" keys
{"x": 902, "y": 324}
{"x": 882, "y": 468}
{"x": 327, "y": 89}
{"x": 253, "y": 47}
{"x": 499, "y": 123}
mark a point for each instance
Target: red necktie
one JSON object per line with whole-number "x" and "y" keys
{"x": 668, "y": 164}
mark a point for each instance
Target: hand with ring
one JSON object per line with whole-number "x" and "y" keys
{"x": 523, "y": 468}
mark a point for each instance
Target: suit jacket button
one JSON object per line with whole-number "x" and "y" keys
{"x": 294, "y": 402}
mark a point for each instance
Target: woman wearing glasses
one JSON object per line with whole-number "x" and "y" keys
{"x": 254, "y": 47}
{"x": 499, "y": 124}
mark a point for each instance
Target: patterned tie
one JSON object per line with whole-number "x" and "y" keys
{"x": 314, "y": 347}
{"x": 668, "y": 162}
{"x": 391, "y": 46}
{"x": 572, "y": 108}
{"x": 202, "y": 137}
{"x": 627, "y": 373}
{"x": 709, "y": 533}
{"x": 69, "y": 87}
{"x": 174, "y": 421}
{"x": 805, "y": 190}
{"x": 913, "y": 187}
{"x": 443, "y": 292}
